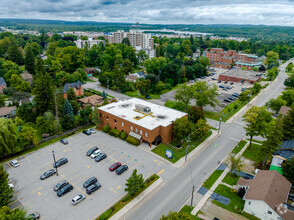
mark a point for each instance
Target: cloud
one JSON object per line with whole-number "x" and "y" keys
{"x": 267, "y": 12}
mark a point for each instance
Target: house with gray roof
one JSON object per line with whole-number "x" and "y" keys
{"x": 77, "y": 87}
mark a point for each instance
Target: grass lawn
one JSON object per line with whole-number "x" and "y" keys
{"x": 90, "y": 80}
{"x": 178, "y": 153}
{"x": 188, "y": 210}
{"x": 97, "y": 92}
{"x": 135, "y": 94}
{"x": 120, "y": 204}
{"x": 231, "y": 179}
{"x": 239, "y": 147}
{"x": 211, "y": 180}
{"x": 254, "y": 153}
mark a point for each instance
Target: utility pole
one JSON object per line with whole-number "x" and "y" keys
{"x": 188, "y": 141}
{"x": 56, "y": 110}
{"x": 248, "y": 100}
{"x": 192, "y": 196}
{"x": 220, "y": 121}
{"x": 55, "y": 163}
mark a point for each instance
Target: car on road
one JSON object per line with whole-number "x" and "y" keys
{"x": 67, "y": 188}
{"x": 221, "y": 86}
{"x": 77, "y": 199}
{"x": 14, "y": 163}
{"x": 92, "y": 188}
{"x": 60, "y": 162}
{"x": 35, "y": 215}
{"x": 87, "y": 132}
{"x": 114, "y": 166}
{"x": 121, "y": 169}
{"x": 95, "y": 154}
{"x": 90, "y": 181}
{"x": 63, "y": 141}
{"x": 92, "y": 150}
{"x": 47, "y": 174}
{"x": 92, "y": 130}
{"x": 60, "y": 185}
{"x": 227, "y": 100}
{"x": 225, "y": 82}
{"x": 100, "y": 157}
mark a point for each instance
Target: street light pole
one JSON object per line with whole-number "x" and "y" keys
{"x": 220, "y": 121}
{"x": 192, "y": 196}
{"x": 188, "y": 141}
{"x": 55, "y": 163}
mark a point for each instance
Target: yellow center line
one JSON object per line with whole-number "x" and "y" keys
{"x": 160, "y": 171}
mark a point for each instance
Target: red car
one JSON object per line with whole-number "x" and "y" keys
{"x": 114, "y": 166}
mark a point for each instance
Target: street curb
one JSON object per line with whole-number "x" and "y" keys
{"x": 121, "y": 214}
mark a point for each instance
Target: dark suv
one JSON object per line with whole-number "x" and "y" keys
{"x": 121, "y": 169}
{"x": 60, "y": 185}
{"x": 60, "y": 162}
{"x": 64, "y": 190}
{"x": 100, "y": 157}
{"x": 92, "y": 150}
{"x": 90, "y": 181}
{"x": 94, "y": 187}
{"x": 87, "y": 132}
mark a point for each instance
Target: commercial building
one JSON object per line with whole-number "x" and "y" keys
{"x": 140, "y": 119}
{"x": 239, "y": 75}
{"x": 89, "y": 43}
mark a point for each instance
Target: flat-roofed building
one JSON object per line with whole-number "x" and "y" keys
{"x": 150, "y": 122}
{"x": 239, "y": 75}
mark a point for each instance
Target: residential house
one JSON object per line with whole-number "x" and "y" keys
{"x": 77, "y": 87}
{"x": 26, "y": 76}
{"x": 7, "y": 112}
{"x": 131, "y": 78}
{"x": 140, "y": 74}
{"x": 27, "y": 100}
{"x": 92, "y": 101}
{"x": 266, "y": 195}
{"x": 3, "y": 85}
{"x": 284, "y": 110}
{"x": 90, "y": 71}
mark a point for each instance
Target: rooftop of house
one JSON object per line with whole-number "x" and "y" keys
{"x": 239, "y": 73}
{"x": 284, "y": 110}
{"x": 6, "y": 110}
{"x": 248, "y": 63}
{"x": 2, "y": 81}
{"x": 268, "y": 186}
{"x": 77, "y": 85}
{"x": 93, "y": 99}
{"x": 26, "y": 76}
{"x": 157, "y": 116}
{"x": 90, "y": 69}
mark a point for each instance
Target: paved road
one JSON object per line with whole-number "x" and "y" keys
{"x": 176, "y": 191}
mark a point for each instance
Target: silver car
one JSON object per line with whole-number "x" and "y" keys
{"x": 14, "y": 163}
{"x": 77, "y": 199}
{"x": 92, "y": 130}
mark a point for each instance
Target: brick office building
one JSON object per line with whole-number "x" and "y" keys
{"x": 239, "y": 75}
{"x": 140, "y": 119}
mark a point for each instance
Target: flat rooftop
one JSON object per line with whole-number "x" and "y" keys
{"x": 158, "y": 116}
{"x": 239, "y": 73}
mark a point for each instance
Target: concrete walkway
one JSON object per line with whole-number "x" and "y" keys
{"x": 217, "y": 182}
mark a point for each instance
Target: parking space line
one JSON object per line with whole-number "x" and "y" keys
{"x": 76, "y": 176}
{"x": 79, "y": 180}
{"x": 118, "y": 187}
{"x": 27, "y": 159}
{"x": 135, "y": 165}
{"x": 9, "y": 164}
{"x": 15, "y": 201}
{"x": 54, "y": 145}
{"x": 41, "y": 152}
{"x": 159, "y": 163}
{"x": 129, "y": 159}
{"x": 16, "y": 193}
{"x": 69, "y": 173}
{"x": 66, "y": 195}
{"x": 22, "y": 204}
{"x": 160, "y": 171}
{"x": 72, "y": 183}
{"x": 66, "y": 169}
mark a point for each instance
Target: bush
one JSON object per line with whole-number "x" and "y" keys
{"x": 123, "y": 135}
{"x": 126, "y": 198}
{"x": 106, "y": 214}
{"x": 114, "y": 132}
{"x": 106, "y": 128}
{"x": 133, "y": 141}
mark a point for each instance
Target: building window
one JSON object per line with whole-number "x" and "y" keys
{"x": 122, "y": 124}
{"x": 114, "y": 121}
{"x": 136, "y": 130}
{"x": 269, "y": 212}
{"x": 131, "y": 128}
{"x": 141, "y": 132}
{"x": 115, "y": 128}
{"x": 107, "y": 118}
{"x": 249, "y": 203}
{"x": 146, "y": 134}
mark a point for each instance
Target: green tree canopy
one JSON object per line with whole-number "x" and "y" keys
{"x": 184, "y": 94}
{"x": 134, "y": 183}
{"x": 6, "y": 193}
{"x": 288, "y": 125}
{"x": 275, "y": 104}
{"x": 288, "y": 170}
{"x": 204, "y": 94}
{"x": 177, "y": 216}
{"x": 29, "y": 60}
{"x": 183, "y": 128}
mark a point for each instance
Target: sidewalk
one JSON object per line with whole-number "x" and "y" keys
{"x": 217, "y": 182}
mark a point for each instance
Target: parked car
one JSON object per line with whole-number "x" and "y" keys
{"x": 219, "y": 81}
{"x": 100, "y": 157}
{"x": 11, "y": 186}
{"x": 92, "y": 188}
{"x": 114, "y": 166}
{"x": 63, "y": 141}
{"x": 95, "y": 154}
{"x": 227, "y": 100}
{"x": 92, "y": 150}
{"x": 221, "y": 86}
{"x": 243, "y": 89}
{"x": 35, "y": 215}
{"x": 203, "y": 77}
{"x": 121, "y": 169}
{"x": 47, "y": 174}
{"x": 235, "y": 95}
{"x": 223, "y": 104}
{"x": 225, "y": 82}
{"x": 229, "y": 87}
{"x": 60, "y": 185}
{"x": 67, "y": 188}
{"x": 60, "y": 162}
{"x": 219, "y": 93}
{"x": 213, "y": 78}
{"x": 87, "y": 132}
{"x": 14, "y": 163}
{"x": 231, "y": 98}
{"x": 225, "y": 89}
{"x": 92, "y": 130}
{"x": 77, "y": 199}
{"x": 231, "y": 83}
{"x": 90, "y": 181}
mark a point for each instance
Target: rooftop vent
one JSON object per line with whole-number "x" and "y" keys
{"x": 138, "y": 117}
{"x": 125, "y": 105}
{"x": 143, "y": 108}
{"x": 161, "y": 116}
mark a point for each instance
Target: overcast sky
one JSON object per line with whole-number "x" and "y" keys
{"x": 278, "y": 12}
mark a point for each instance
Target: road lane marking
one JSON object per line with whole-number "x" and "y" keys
{"x": 135, "y": 165}
{"x": 160, "y": 172}
{"x": 118, "y": 187}
{"x": 39, "y": 193}
{"x": 159, "y": 163}
{"x": 156, "y": 161}
{"x": 235, "y": 139}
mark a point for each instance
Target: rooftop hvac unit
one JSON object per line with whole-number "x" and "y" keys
{"x": 143, "y": 108}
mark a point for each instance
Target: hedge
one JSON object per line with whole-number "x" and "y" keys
{"x": 114, "y": 132}
{"x": 133, "y": 141}
{"x": 106, "y": 128}
{"x": 123, "y": 135}
{"x": 106, "y": 214}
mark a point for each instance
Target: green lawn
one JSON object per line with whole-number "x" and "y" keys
{"x": 178, "y": 153}
{"x": 231, "y": 179}
{"x": 188, "y": 210}
{"x": 120, "y": 204}
{"x": 239, "y": 147}
{"x": 254, "y": 153}
{"x": 135, "y": 94}
{"x": 211, "y": 180}
{"x": 97, "y": 92}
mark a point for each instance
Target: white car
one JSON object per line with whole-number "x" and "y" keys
{"x": 14, "y": 163}
{"x": 77, "y": 199}
{"x": 95, "y": 154}
{"x": 92, "y": 130}
{"x": 11, "y": 186}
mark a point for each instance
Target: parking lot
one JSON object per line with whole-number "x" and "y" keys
{"x": 38, "y": 196}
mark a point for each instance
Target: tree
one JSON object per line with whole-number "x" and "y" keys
{"x": 289, "y": 81}
{"x": 256, "y": 88}
{"x": 142, "y": 56}
{"x": 144, "y": 87}
{"x": 177, "y": 216}
{"x": 95, "y": 117}
{"x": 25, "y": 111}
{"x": 275, "y": 104}
{"x": 257, "y": 120}
{"x": 235, "y": 163}
{"x": 6, "y": 193}
{"x": 71, "y": 95}
{"x": 204, "y": 94}
{"x": 2, "y": 100}
{"x": 14, "y": 54}
{"x": 134, "y": 183}
{"x": 75, "y": 106}
{"x": 29, "y": 60}
{"x": 67, "y": 108}
{"x": 127, "y": 66}
{"x": 184, "y": 94}
{"x": 288, "y": 125}
{"x": 201, "y": 128}
{"x": 288, "y": 169}
{"x": 15, "y": 214}
{"x": 183, "y": 128}
{"x": 273, "y": 139}
{"x": 29, "y": 136}
{"x": 288, "y": 96}
{"x": 126, "y": 41}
